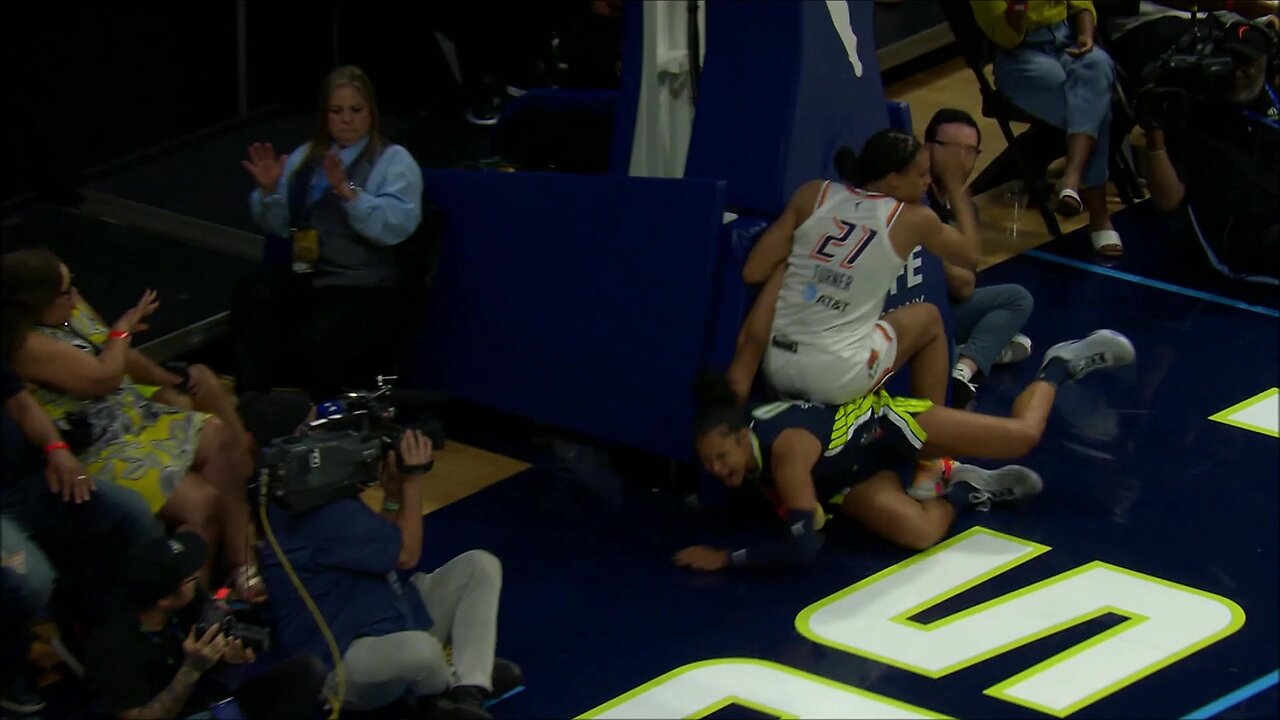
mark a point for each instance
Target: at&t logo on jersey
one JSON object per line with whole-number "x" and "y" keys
{"x": 834, "y": 303}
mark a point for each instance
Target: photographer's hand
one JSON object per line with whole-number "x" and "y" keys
{"x": 204, "y": 652}
{"x": 403, "y": 503}
{"x": 238, "y": 654}
{"x": 201, "y": 654}
{"x": 415, "y": 450}
{"x": 1155, "y": 140}
{"x": 1167, "y": 190}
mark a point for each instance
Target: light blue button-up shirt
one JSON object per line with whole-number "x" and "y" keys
{"x": 386, "y": 211}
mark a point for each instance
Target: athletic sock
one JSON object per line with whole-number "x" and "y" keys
{"x": 927, "y": 471}
{"x": 1055, "y": 372}
{"x": 932, "y": 476}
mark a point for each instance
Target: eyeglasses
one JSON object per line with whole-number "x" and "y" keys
{"x": 966, "y": 148}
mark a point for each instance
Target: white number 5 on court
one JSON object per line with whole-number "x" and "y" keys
{"x": 1165, "y": 621}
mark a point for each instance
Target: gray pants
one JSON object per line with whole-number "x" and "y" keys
{"x": 462, "y": 599}
{"x": 988, "y": 320}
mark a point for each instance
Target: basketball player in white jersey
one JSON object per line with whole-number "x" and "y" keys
{"x": 831, "y": 258}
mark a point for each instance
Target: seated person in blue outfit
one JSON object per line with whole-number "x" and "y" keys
{"x": 391, "y": 632}
{"x": 52, "y": 517}
{"x": 347, "y": 198}
{"x": 803, "y": 455}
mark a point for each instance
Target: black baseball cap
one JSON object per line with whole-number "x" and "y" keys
{"x": 157, "y": 567}
{"x": 1246, "y": 39}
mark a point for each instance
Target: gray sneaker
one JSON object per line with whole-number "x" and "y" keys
{"x": 1006, "y": 484}
{"x": 1099, "y": 349}
{"x": 1018, "y": 349}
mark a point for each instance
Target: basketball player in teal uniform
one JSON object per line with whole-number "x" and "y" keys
{"x": 801, "y": 454}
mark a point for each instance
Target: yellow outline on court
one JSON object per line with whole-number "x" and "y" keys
{"x": 1226, "y": 416}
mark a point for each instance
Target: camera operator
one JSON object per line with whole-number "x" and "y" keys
{"x": 151, "y": 660}
{"x": 1214, "y": 155}
{"x": 391, "y": 634}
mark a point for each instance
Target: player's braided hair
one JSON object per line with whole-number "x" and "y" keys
{"x": 886, "y": 152}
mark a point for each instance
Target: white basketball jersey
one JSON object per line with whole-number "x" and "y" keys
{"x": 840, "y": 269}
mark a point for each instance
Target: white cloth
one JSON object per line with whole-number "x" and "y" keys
{"x": 664, "y": 111}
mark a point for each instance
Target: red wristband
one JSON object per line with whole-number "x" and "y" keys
{"x": 56, "y": 446}
{"x": 117, "y": 335}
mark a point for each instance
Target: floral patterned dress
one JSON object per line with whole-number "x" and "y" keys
{"x": 136, "y": 443}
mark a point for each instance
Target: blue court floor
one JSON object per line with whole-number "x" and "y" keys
{"x": 1142, "y": 583}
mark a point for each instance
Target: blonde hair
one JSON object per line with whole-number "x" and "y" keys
{"x": 344, "y": 76}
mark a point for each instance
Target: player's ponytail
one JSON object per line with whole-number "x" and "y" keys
{"x": 887, "y": 152}
{"x": 846, "y": 162}
{"x": 718, "y": 408}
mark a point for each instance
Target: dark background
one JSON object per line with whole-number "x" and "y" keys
{"x": 93, "y": 84}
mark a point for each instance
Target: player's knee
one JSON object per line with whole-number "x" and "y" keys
{"x": 920, "y": 320}
{"x": 1021, "y": 301}
{"x": 930, "y": 319}
{"x": 927, "y": 314}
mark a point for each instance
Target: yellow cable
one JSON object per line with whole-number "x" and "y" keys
{"x": 338, "y": 666}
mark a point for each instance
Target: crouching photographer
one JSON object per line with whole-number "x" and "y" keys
{"x": 167, "y": 649}
{"x": 335, "y": 568}
{"x": 1211, "y": 117}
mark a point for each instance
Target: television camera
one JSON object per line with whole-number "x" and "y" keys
{"x": 1197, "y": 70}
{"x": 340, "y": 453}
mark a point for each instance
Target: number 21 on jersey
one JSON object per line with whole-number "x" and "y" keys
{"x": 829, "y": 247}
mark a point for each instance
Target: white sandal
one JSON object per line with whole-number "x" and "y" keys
{"x": 1106, "y": 242}
{"x": 1069, "y": 203}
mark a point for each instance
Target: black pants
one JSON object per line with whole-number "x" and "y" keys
{"x": 286, "y": 332}
{"x": 288, "y": 690}
{"x": 77, "y": 546}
